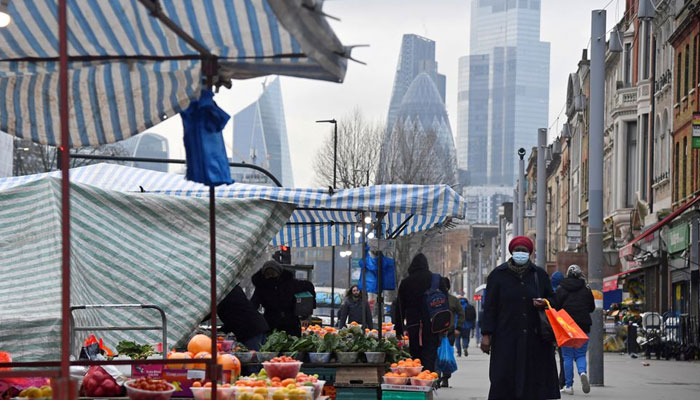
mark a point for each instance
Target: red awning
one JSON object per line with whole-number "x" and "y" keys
{"x": 628, "y": 249}
{"x": 610, "y": 282}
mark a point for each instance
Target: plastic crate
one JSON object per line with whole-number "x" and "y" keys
{"x": 355, "y": 393}
{"x": 324, "y": 374}
{"x": 402, "y": 395}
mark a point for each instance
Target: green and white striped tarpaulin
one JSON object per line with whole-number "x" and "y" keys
{"x": 126, "y": 248}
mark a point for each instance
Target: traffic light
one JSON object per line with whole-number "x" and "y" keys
{"x": 283, "y": 255}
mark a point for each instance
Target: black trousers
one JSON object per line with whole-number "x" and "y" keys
{"x": 427, "y": 350}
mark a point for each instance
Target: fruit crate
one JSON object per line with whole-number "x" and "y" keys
{"x": 356, "y": 393}
{"x": 324, "y": 374}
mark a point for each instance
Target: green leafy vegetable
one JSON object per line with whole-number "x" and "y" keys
{"x": 277, "y": 341}
{"x": 134, "y": 351}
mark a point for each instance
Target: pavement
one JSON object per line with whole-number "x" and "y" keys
{"x": 625, "y": 378}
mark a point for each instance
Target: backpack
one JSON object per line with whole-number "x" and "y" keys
{"x": 469, "y": 313}
{"x": 437, "y": 306}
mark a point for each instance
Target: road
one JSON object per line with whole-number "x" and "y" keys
{"x": 625, "y": 378}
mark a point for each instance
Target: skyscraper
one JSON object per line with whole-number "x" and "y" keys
{"x": 260, "y": 137}
{"x": 417, "y": 56}
{"x": 419, "y": 147}
{"x": 503, "y": 89}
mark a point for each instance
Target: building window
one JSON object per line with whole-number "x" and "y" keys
{"x": 695, "y": 60}
{"x": 678, "y": 77}
{"x": 685, "y": 166}
{"x": 631, "y": 157}
{"x": 687, "y": 69}
{"x": 628, "y": 64}
{"x": 644, "y": 157}
{"x": 645, "y": 52}
{"x": 676, "y": 171}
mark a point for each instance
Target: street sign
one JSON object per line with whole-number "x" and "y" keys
{"x": 529, "y": 213}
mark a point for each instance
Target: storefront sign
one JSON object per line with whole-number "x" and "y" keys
{"x": 696, "y": 130}
{"x": 677, "y": 239}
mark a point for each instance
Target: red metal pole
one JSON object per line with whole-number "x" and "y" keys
{"x": 214, "y": 370}
{"x": 63, "y": 384}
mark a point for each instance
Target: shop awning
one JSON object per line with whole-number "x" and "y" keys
{"x": 628, "y": 250}
{"x": 128, "y": 70}
{"x": 610, "y": 282}
{"x": 319, "y": 219}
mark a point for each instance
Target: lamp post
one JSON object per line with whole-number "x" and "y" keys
{"x": 479, "y": 245}
{"x": 335, "y": 159}
{"x": 521, "y": 192}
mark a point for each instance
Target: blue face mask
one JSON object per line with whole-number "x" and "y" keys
{"x": 521, "y": 257}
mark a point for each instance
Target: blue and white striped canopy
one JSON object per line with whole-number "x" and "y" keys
{"x": 319, "y": 220}
{"x": 129, "y": 71}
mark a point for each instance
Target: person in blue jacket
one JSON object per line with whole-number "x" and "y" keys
{"x": 466, "y": 328}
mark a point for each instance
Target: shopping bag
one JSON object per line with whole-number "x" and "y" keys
{"x": 446, "y": 357}
{"x": 566, "y": 331}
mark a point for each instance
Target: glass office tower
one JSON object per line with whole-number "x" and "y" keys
{"x": 503, "y": 92}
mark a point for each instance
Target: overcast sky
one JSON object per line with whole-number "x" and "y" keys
{"x": 381, "y": 24}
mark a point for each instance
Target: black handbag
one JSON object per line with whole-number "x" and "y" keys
{"x": 545, "y": 328}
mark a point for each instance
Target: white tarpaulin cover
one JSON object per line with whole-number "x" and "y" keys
{"x": 125, "y": 248}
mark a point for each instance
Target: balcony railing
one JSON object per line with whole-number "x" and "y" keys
{"x": 626, "y": 97}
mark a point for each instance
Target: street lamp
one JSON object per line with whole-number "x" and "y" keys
{"x": 611, "y": 256}
{"x": 335, "y": 157}
{"x": 335, "y": 146}
{"x": 5, "y": 18}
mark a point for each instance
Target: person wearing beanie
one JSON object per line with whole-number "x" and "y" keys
{"x": 522, "y": 364}
{"x": 411, "y": 315}
{"x": 275, "y": 288}
{"x": 576, "y": 298}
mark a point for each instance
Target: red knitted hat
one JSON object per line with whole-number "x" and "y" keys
{"x": 521, "y": 241}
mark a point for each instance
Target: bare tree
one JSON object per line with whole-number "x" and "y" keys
{"x": 359, "y": 146}
{"x": 33, "y": 158}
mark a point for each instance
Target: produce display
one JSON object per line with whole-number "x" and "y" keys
{"x": 395, "y": 378}
{"x": 149, "y": 389}
{"x": 99, "y": 383}
{"x": 282, "y": 367}
{"x": 134, "y": 351}
{"x": 36, "y": 392}
{"x": 425, "y": 378}
{"x": 407, "y": 366}
{"x": 302, "y": 386}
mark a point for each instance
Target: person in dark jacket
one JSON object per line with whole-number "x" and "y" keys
{"x": 576, "y": 298}
{"x": 239, "y": 316}
{"x": 412, "y": 312}
{"x": 466, "y": 329}
{"x": 275, "y": 288}
{"x": 522, "y": 365}
{"x": 351, "y": 310}
{"x": 556, "y": 279}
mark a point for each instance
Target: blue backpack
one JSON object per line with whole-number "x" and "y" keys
{"x": 438, "y": 307}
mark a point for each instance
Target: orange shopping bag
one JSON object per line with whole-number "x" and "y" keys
{"x": 566, "y": 331}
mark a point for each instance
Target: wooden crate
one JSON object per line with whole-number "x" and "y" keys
{"x": 358, "y": 376}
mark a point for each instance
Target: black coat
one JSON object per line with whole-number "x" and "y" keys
{"x": 522, "y": 364}
{"x": 277, "y": 297}
{"x": 351, "y": 310}
{"x": 411, "y": 289}
{"x": 577, "y": 299}
{"x": 239, "y": 316}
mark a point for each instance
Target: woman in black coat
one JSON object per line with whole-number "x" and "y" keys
{"x": 522, "y": 365}
{"x": 275, "y": 288}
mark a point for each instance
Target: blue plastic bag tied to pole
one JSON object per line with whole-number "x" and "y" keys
{"x": 446, "y": 357}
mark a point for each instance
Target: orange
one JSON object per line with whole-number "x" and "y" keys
{"x": 199, "y": 356}
{"x": 229, "y": 363}
{"x": 174, "y": 355}
{"x": 196, "y": 384}
{"x": 199, "y": 343}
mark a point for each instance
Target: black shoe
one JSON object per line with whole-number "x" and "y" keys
{"x": 466, "y": 353}
{"x": 445, "y": 383}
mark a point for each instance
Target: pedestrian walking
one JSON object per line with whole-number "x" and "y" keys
{"x": 413, "y": 313}
{"x": 576, "y": 298}
{"x": 466, "y": 328}
{"x": 454, "y": 333}
{"x": 352, "y": 308}
{"x": 522, "y": 364}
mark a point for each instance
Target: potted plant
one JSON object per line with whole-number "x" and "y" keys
{"x": 352, "y": 340}
{"x": 324, "y": 347}
{"x": 301, "y": 346}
